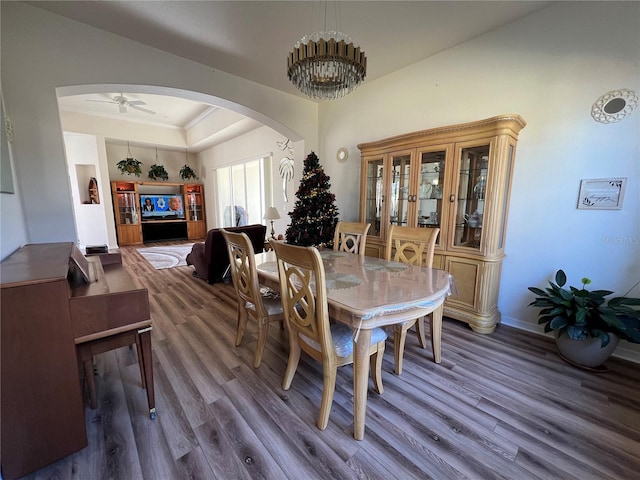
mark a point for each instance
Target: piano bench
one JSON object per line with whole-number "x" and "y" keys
{"x": 140, "y": 334}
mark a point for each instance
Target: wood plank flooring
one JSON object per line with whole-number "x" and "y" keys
{"x": 500, "y": 406}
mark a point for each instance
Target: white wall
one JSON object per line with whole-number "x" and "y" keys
{"x": 42, "y": 52}
{"x": 548, "y": 67}
{"x": 83, "y": 155}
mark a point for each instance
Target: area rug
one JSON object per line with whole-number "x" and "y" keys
{"x": 167, "y": 256}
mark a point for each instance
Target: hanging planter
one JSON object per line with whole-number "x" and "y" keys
{"x": 186, "y": 172}
{"x": 157, "y": 171}
{"x": 130, "y": 166}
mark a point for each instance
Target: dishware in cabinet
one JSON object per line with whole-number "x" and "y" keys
{"x": 471, "y": 175}
{"x": 431, "y": 211}
{"x": 386, "y": 195}
{"x": 402, "y": 187}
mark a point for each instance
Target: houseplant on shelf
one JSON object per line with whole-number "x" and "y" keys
{"x": 587, "y": 325}
{"x": 157, "y": 172}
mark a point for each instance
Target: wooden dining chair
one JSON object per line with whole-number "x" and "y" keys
{"x": 415, "y": 246}
{"x": 351, "y": 237}
{"x": 304, "y": 299}
{"x": 262, "y": 305}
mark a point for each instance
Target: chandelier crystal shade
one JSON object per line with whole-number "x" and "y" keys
{"x": 326, "y": 65}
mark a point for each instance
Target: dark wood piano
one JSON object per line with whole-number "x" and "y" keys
{"x": 58, "y": 309}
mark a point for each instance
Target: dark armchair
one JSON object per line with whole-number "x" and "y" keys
{"x": 211, "y": 259}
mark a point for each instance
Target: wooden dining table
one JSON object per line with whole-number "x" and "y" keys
{"x": 366, "y": 292}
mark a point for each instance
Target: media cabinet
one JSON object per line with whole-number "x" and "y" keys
{"x": 132, "y": 229}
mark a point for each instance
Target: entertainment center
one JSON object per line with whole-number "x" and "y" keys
{"x": 153, "y": 211}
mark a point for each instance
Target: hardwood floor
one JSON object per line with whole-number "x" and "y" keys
{"x": 501, "y": 406}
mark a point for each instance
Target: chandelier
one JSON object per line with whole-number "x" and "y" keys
{"x": 326, "y": 65}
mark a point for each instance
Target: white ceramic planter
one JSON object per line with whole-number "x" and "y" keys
{"x": 588, "y": 352}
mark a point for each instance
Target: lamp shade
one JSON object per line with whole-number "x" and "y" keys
{"x": 271, "y": 214}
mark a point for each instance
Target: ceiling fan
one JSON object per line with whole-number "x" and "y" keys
{"x": 123, "y": 103}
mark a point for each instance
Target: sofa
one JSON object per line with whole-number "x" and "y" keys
{"x": 211, "y": 259}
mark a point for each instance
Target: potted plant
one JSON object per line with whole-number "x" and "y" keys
{"x": 130, "y": 166}
{"x": 587, "y": 325}
{"x": 157, "y": 172}
{"x": 187, "y": 173}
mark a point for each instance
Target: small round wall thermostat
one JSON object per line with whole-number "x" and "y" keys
{"x": 342, "y": 155}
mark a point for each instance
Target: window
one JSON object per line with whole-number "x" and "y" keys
{"x": 242, "y": 190}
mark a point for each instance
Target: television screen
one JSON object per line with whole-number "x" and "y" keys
{"x": 161, "y": 207}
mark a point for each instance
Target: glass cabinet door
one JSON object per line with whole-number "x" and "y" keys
{"x": 374, "y": 196}
{"x": 400, "y": 178}
{"x": 430, "y": 184}
{"x": 193, "y": 196}
{"x": 472, "y": 181}
{"x": 195, "y": 206}
{"x": 127, "y": 208}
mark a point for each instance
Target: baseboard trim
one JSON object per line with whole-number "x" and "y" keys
{"x": 625, "y": 350}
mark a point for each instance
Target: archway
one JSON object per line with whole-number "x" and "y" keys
{"x": 277, "y": 127}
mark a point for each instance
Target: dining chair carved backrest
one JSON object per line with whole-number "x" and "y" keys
{"x": 261, "y": 304}
{"x": 415, "y": 246}
{"x": 304, "y": 299}
{"x": 351, "y": 237}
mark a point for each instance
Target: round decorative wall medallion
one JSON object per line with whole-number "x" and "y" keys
{"x": 342, "y": 155}
{"x": 614, "y": 106}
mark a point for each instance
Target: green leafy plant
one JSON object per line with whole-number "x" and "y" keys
{"x": 157, "y": 172}
{"x": 187, "y": 173}
{"x": 130, "y": 166}
{"x": 583, "y": 313}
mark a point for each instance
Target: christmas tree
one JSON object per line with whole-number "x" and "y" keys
{"x": 314, "y": 215}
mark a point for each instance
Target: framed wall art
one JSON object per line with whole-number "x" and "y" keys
{"x": 601, "y": 193}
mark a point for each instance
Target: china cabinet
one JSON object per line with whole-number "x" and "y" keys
{"x": 457, "y": 178}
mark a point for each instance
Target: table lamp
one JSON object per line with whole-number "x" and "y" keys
{"x": 271, "y": 215}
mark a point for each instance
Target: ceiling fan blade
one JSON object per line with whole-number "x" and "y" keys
{"x": 99, "y": 101}
{"x": 142, "y": 109}
{"x": 122, "y": 108}
{"x": 135, "y": 102}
